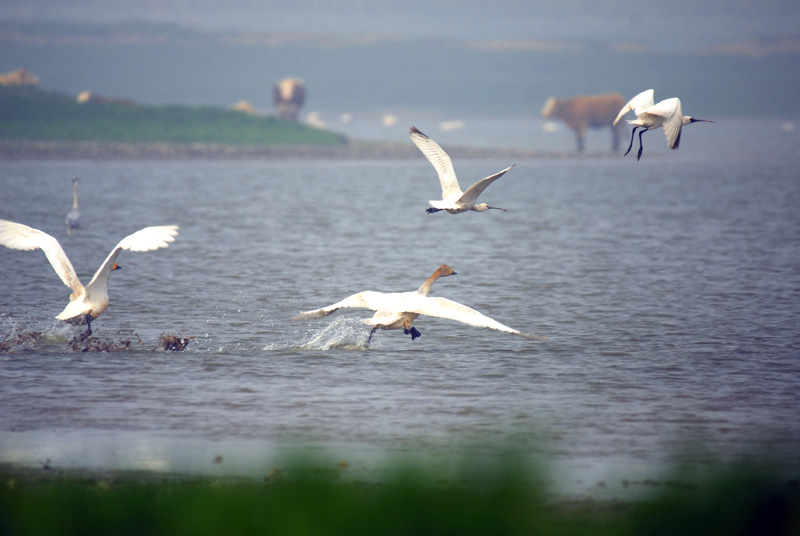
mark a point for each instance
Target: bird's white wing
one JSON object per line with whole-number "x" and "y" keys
{"x": 638, "y": 104}
{"x": 444, "y": 308}
{"x": 18, "y": 236}
{"x": 670, "y": 110}
{"x": 472, "y": 193}
{"x": 147, "y": 239}
{"x": 368, "y": 299}
{"x": 441, "y": 162}
{"x": 150, "y": 238}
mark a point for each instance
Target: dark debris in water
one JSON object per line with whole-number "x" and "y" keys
{"x": 25, "y": 340}
{"x": 125, "y": 340}
{"x": 171, "y": 343}
{"x": 96, "y": 344}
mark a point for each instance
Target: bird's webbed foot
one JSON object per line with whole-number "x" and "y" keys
{"x": 431, "y": 210}
{"x": 414, "y": 332}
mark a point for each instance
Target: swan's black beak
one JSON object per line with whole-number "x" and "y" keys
{"x": 116, "y": 267}
{"x": 694, "y": 120}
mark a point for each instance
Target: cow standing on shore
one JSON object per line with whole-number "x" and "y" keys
{"x": 289, "y": 95}
{"x": 596, "y": 111}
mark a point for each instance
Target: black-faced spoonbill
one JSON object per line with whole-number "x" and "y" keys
{"x": 649, "y": 116}
{"x": 89, "y": 302}
{"x": 74, "y": 215}
{"x": 453, "y": 200}
{"x": 395, "y": 310}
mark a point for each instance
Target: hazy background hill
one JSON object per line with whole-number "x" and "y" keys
{"x": 162, "y": 63}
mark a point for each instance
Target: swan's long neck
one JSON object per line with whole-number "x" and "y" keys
{"x": 74, "y": 195}
{"x": 426, "y": 286}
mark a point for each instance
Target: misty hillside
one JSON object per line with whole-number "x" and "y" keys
{"x": 160, "y": 64}
{"x": 30, "y": 114}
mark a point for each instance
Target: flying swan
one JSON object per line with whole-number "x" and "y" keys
{"x": 89, "y": 302}
{"x": 397, "y": 310}
{"x": 649, "y": 116}
{"x": 453, "y": 200}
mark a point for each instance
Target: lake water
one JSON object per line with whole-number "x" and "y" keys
{"x": 668, "y": 290}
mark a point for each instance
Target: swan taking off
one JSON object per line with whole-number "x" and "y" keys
{"x": 453, "y": 200}
{"x": 397, "y": 310}
{"x": 74, "y": 215}
{"x": 89, "y": 302}
{"x": 649, "y": 116}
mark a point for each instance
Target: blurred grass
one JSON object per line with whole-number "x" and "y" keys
{"x": 302, "y": 499}
{"x": 36, "y": 115}
{"x": 738, "y": 500}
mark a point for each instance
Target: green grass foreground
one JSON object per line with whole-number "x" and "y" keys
{"x": 40, "y": 116}
{"x": 308, "y": 501}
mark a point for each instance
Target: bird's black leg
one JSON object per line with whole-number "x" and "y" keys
{"x": 631, "y": 144}
{"x": 414, "y": 332}
{"x": 371, "y": 333}
{"x": 431, "y": 210}
{"x": 88, "y": 331}
{"x": 641, "y": 147}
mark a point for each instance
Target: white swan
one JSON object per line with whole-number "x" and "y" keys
{"x": 397, "y": 310}
{"x": 89, "y": 302}
{"x": 650, "y": 116}
{"x": 74, "y": 215}
{"x": 453, "y": 200}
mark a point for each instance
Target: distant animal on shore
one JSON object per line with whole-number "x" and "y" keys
{"x": 583, "y": 111}
{"x": 288, "y": 97}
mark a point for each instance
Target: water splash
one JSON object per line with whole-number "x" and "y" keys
{"x": 342, "y": 334}
{"x": 19, "y": 336}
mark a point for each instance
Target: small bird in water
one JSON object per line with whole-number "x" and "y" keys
{"x": 649, "y": 116}
{"x": 73, "y": 220}
{"x": 396, "y": 310}
{"x": 89, "y": 302}
{"x": 453, "y": 200}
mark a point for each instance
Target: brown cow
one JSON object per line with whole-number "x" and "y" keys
{"x": 289, "y": 95}
{"x": 584, "y": 111}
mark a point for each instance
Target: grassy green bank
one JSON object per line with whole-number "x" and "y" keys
{"x": 52, "y": 117}
{"x": 308, "y": 499}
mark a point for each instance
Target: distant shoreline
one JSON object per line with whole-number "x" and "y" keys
{"x": 354, "y": 150}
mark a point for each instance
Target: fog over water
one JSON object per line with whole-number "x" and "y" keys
{"x": 673, "y": 26}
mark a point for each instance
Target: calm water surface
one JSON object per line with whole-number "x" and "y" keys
{"x": 668, "y": 289}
